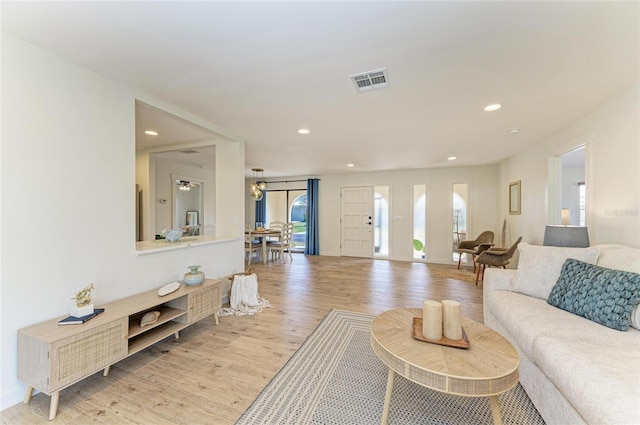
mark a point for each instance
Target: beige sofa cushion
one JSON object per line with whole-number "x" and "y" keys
{"x": 539, "y": 267}
{"x": 600, "y": 382}
{"x": 526, "y": 319}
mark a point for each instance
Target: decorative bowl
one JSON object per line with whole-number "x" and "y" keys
{"x": 173, "y": 235}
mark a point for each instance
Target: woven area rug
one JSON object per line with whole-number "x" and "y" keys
{"x": 336, "y": 378}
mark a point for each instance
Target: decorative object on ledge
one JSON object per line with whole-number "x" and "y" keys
{"x": 514, "y": 198}
{"x": 168, "y": 288}
{"x": 149, "y": 318}
{"x": 567, "y": 236}
{"x": 194, "y": 277}
{"x": 173, "y": 235}
{"x": 71, "y": 320}
{"x": 82, "y": 302}
{"x": 258, "y": 186}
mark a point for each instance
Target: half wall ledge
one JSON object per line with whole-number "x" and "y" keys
{"x": 151, "y": 247}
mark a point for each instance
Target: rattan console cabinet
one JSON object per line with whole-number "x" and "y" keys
{"x": 52, "y": 357}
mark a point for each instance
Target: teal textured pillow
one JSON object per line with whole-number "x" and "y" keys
{"x": 603, "y": 295}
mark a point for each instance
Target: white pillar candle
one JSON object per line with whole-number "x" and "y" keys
{"x": 451, "y": 319}
{"x": 432, "y": 319}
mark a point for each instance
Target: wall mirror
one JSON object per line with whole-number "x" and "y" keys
{"x": 188, "y": 201}
{"x": 192, "y": 218}
{"x": 514, "y": 198}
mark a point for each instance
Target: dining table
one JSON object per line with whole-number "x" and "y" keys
{"x": 263, "y": 235}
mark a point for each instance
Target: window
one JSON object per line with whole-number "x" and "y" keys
{"x": 381, "y": 221}
{"x": 298, "y": 215}
{"x": 419, "y": 221}
{"x": 582, "y": 202}
{"x": 289, "y": 206}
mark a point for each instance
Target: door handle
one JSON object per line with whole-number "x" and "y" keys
{"x": 369, "y": 223}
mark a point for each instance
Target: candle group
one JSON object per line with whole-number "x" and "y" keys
{"x": 440, "y": 318}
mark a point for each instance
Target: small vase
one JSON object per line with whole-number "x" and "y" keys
{"x": 81, "y": 311}
{"x": 194, "y": 277}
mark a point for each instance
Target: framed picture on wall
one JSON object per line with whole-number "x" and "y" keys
{"x": 514, "y": 198}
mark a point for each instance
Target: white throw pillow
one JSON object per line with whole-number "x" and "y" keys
{"x": 539, "y": 267}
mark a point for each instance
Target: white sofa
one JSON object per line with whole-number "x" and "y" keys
{"x": 575, "y": 371}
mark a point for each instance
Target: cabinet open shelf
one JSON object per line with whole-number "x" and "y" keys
{"x": 166, "y": 314}
{"x": 154, "y": 335}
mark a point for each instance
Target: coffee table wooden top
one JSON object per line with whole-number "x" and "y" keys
{"x": 488, "y": 367}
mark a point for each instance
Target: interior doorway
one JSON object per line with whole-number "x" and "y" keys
{"x": 567, "y": 187}
{"x": 460, "y": 201}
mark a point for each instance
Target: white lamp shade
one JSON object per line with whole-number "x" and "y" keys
{"x": 565, "y": 217}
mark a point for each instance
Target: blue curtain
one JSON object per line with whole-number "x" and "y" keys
{"x": 312, "y": 244}
{"x": 261, "y": 209}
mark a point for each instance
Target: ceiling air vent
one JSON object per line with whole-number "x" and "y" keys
{"x": 188, "y": 151}
{"x": 370, "y": 80}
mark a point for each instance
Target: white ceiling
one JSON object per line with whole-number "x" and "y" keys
{"x": 177, "y": 140}
{"x": 265, "y": 69}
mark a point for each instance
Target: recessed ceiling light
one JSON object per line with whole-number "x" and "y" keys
{"x": 151, "y": 133}
{"x": 351, "y": 165}
{"x": 491, "y": 108}
{"x": 451, "y": 158}
{"x": 303, "y": 131}
{"x": 514, "y": 131}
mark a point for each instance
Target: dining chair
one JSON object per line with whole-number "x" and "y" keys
{"x": 251, "y": 245}
{"x": 276, "y": 225}
{"x": 278, "y": 247}
{"x": 496, "y": 257}
{"x": 475, "y": 247}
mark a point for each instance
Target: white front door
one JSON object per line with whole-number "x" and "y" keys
{"x": 356, "y": 223}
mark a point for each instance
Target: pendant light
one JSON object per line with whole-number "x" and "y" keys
{"x": 256, "y": 188}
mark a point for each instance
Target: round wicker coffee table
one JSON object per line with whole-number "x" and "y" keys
{"x": 488, "y": 368}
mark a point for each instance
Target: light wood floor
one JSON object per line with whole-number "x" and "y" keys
{"x": 213, "y": 373}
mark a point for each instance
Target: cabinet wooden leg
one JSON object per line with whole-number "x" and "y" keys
{"x": 177, "y": 335}
{"x": 28, "y": 394}
{"x": 106, "y": 371}
{"x": 53, "y": 409}
{"x": 215, "y": 316}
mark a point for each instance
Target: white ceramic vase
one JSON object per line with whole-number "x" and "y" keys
{"x": 81, "y": 311}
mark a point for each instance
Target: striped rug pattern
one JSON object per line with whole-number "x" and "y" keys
{"x": 335, "y": 378}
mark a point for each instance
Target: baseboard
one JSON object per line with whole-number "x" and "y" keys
{"x": 13, "y": 396}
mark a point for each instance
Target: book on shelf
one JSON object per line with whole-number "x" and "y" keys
{"x": 80, "y": 320}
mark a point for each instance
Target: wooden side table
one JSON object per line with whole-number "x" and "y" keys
{"x": 488, "y": 368}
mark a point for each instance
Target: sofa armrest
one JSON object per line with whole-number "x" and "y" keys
{"x": 497, "y": 279}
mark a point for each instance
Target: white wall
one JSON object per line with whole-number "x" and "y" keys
{"x": 439, "y": 182}
{"x": 612, "y": 137}
{"x": 68, "y": 136}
